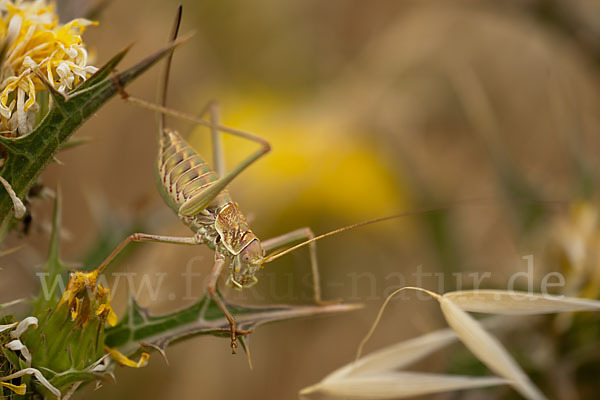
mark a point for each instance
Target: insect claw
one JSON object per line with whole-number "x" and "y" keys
{"x": 253, "y": 281}
{"x": 232, "y": 283}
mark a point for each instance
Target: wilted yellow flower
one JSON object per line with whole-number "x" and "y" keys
{"x": 105, "y": 311}
{"x": 33, "y": 40}
{"x": 86, "y": 298}
{"x": 18, "y": 389}
{"x": 125, "y": 361}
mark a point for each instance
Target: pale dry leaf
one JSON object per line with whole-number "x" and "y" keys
{"x": 7, "y": 327}
{"x": 517, "y": 303}
{"x": 396, "y": 356}
{"x": 488, "y": 349}
{"x": 397, "y": 385}
{"x": 17, "y": 345}
{"x": 18, "y": 206}
{"x": 23, "y": 326}
{"x": 40, "y": 377}
{"x": 405, "y": 353}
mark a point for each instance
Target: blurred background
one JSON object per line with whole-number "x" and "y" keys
{"x": 486, "y": 109}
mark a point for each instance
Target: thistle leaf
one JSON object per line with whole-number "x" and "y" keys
{"x": 201, "y": 318}
{"x": 27, "y": 156}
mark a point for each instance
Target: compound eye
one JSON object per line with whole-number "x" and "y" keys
{"x": 246, "y": 258}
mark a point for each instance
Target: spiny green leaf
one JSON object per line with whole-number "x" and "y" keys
{"x": 28, "y": 156}
{"x": 104, "y": 72}
{"x": 201, "y": 318}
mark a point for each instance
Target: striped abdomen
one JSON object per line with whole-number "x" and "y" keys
{"x": 182, "y": 173}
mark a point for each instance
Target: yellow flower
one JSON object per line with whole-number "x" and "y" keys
{"x": 34, "y": 41}
{"x": 87, "y": 299}
{"x": 105, "y": 310}
{"x": 20, "y": 389}
{"x": 577, "y": 237}
{"x": 125, "y": 361}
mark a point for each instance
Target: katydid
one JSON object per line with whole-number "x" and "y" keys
{"x": 198, "y": 194}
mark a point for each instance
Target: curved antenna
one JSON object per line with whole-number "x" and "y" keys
{"x": 161, "y": 96}
{"x": 275, "y": 256}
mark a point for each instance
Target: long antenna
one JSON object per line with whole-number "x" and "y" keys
{"x": 275, "y": 256}
{"x": 164, "y": 82}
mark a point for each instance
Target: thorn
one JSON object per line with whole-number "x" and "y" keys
{"x": 157, "y": 348}
{"x": 11, "y": 250}
{"x": 55, "y": 93}
{"x": 70, "y": 355}
{"x": 76, "y": 142}
{"x": 248, "y": 355}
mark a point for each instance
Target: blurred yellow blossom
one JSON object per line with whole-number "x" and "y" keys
{"x": 577, "y": 237}
{"x": 318, "y": 164}
{"x": 32, "y": 39}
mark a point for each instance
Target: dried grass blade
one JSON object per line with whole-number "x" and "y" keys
{"x": 397, "y": 385}
{"x": 396, "y": 356}
{"x": 488, "y": 349}
{"x": 517, "y": 303}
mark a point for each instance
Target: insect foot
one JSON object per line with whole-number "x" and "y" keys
{"x": 234, "y": 334}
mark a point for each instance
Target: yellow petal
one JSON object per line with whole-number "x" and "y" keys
{"x": 75, "y": 310}
{"x": 111, "y": 318}
{"x": 123, "y": 360}
{"x": 107, "y": 311}
{"x": 17, "y": 389}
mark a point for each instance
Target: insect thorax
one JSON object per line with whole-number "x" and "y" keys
{"x": 233, "y": 228}
{"x": 224, "y": 229}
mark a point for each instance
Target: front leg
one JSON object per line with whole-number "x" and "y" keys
{"x": 144, "y": 237}
{"x": 212, "y": 292}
